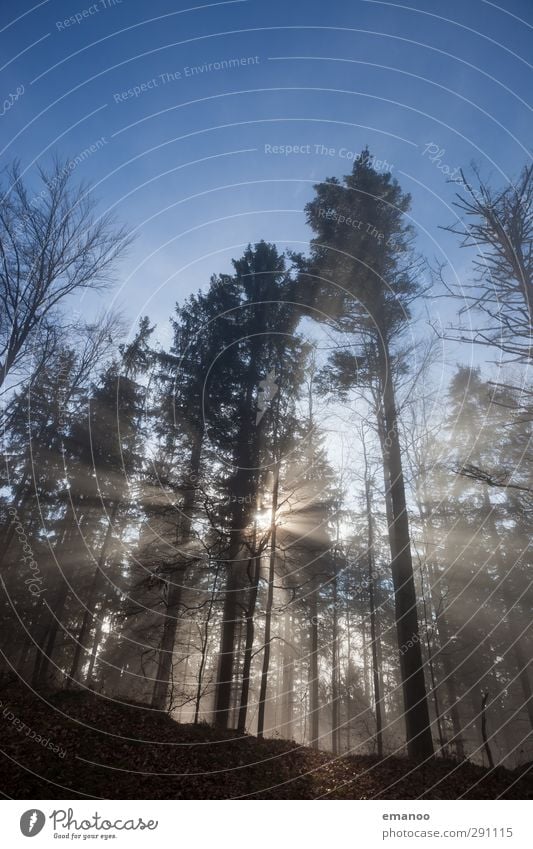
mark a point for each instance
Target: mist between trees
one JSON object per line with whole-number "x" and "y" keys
{"x": 280, "y": 522}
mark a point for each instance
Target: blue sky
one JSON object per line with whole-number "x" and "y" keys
{"x": 183, "y": 160}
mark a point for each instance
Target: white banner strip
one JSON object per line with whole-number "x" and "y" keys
{"x": 268, "y": 825}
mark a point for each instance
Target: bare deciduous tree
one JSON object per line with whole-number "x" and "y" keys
{"x": 499, "y": 224}
{"x": 51, "y": 244}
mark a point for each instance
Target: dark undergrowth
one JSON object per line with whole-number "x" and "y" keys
{"x": 68, "y": 745}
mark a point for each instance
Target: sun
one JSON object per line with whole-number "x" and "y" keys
{"x": 263, "y": 519}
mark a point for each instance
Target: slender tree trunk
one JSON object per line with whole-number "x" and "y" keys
{"x": 235, "y": 693}
{"x": 94, "y": 651}
{"x": 287, "y": 680}
{"x": 431, "y": 666}
{"x": 227, "y": 641}
{"x": 44, "y": 655}
{"x": 314, "y": 716}
{"x": 29, "y": 640}
{"x": 348, "y": 688}
{"x": 175, "y": 582}
{"x": 486, "y": 745}
{"x": 20, "y": 498}
{"x": 522, "y": 666}
{"x": 269, "y": 602}
{"x": 50, "y": 616}
{"x": 431, "y": 601}
{"x": 203, "y": 656}
{"x": 249, "y": 643}
{"x": 443, "y": 629}
{"x": 24, "y": 650}
{"x": 416, "y": 712}
{"x": 335, "y": 718}
{"x": 379, "y": 647}
{"x": 374, "y": 643}
{"x": 453, "y": 701}
{"x": 434, "y": 689}
{"x": 88, "y": 615}
{"x": 373, "y": 618}
{"x": 521, "y": 663}
{"x": 366, "y": 668}
{"x": 166, "y": 648}
{"x": 243, "y": 486}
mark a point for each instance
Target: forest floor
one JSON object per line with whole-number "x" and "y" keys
{"x": 78, "y": 745}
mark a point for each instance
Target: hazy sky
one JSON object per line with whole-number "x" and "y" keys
{"x": 189, "y": 159}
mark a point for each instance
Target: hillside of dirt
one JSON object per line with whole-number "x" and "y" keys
{"x": 80, "y": 745}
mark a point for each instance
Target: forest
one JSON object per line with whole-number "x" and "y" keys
{"x": 278, "y": 519}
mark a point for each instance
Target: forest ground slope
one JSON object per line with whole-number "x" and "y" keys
{"x": 80, "y": 745}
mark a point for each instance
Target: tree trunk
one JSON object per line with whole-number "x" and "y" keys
{"x": 373, "y": 618}
{"x": 88, "y": 615}
{"x": 486, "y": 745}
{"x": 522, "y": 666}
{"x": 269, "y": 602}
{"x": 94, "y": 651}
{"x": 205, "y": 644}
{"x": 313, "y": 670}
{"x": 174, "y": 585}
{"x": 373, "y": 626}
{"x": 416, "y": 712}
{"x": 235, "y": 695}
{"x": 366, "y": 669}
{"x": 431, "y": 666}
{"x": 166, "y": 648}
{"x": 20, "y": 498}
{"x": 287, "y": 681}
{"x": 521, "y": 663}
{"x": 443, "y": 629}
{"x": 249, "y": 643}
{"x": 227, "y": 642}
{"x": 50, "y": 616}
{"x": 44, "y": 655}
{"x": 335, "y": 718}
{"x": 243, "y": 491}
